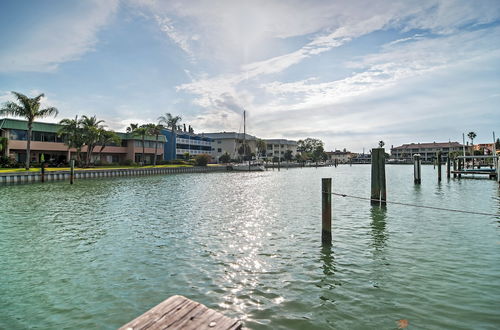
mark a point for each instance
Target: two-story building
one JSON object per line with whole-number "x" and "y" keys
{"x": 427, "y": 151}
{"x": 340, "y": 156}
{"x": 45, "y": 140}
{"x": 278, "y": 148}
{"x": 230, "y": 142}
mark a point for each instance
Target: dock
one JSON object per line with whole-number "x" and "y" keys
{"x": 178, "y": 312}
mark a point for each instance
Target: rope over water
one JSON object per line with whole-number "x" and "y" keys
{"x": 415, "y": 205}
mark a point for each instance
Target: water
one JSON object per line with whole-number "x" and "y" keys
{"x": 101, "y": 252}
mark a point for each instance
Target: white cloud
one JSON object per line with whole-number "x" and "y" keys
{"x": 61, "y": 38}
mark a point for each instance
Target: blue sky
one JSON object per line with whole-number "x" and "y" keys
{"x": 348, "y": 72}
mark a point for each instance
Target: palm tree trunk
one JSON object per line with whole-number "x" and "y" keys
{"x": 174, "y": 147}
{"x": 156, "y": 149}
{"x": 28, "y": 145}
{"x": 143, "y": 150}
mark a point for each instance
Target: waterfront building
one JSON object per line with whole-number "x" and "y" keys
{"x": 186, "y": 142}
{"x": 46, "y": 141}
{"x": 341, "y": 157}
{"x": 230, "y": 142}
{"x": 427, "y": 151}
{"x": 278, "y": 147}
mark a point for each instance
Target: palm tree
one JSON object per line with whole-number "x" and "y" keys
{"x": 381, "y": 144}
{"x": 141, "y": 131}
{"x": 3, "y": 145}
{"x": 29, "y": 109}
{"x": 170, "y": 122}
{"x": 472, "y": 136}
{"x": 106, "y": 137}
{"x": 91, "y": 127}
{"x": 155, "y": 129}
{"x": 72, "y": 133}
{"x": 261, "y": 147}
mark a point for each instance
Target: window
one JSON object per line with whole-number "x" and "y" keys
{"x": 219, "y": 149}
{"x": 219, "y": 141}
{"x": 16, "y": 134}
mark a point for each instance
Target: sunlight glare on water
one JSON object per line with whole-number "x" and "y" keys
{"x": 101, "y": 252}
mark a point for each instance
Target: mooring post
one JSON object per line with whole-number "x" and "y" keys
{"x": 72, "y": 171}
{"x": 42, "y": 169}
{"x": 448, "y": 166}
{"x": 454, "y": 167}
{"x": 498, "y": 169}
{"x": 378, "y": 195}
{"x": 326, "y": 211}
{"x": 417, "y": 176}
{"x": 439, "y": 165}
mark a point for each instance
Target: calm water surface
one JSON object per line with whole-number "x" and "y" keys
{"x": 101, "y": 252}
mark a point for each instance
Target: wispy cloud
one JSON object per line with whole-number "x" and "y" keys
{"x": 60, "y": 39}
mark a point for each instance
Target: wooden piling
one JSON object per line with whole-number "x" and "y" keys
{"x": 417, "y": 173}
{"x": 439, "y": 165}
{"x": 454, "y": 167}
{"x": 42, "y": 170}
{"x": 326, "y": 211}
{"x": 72, "y": 171}
{"x": 378, "y": 193}
{"x": 498, "y": 169}
{"x": 448, "y": 166}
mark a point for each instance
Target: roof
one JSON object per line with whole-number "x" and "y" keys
{"x": 281, "y": 141}
{"x": 229, "y": 135}
{"x": 8, "y": 123}
{"x": 430, "y": 145}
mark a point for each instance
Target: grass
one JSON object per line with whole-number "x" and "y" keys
{"x": 55, "y": 169}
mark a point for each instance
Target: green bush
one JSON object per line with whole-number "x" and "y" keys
{"x": 201, "y": 160}
{"x": 127, "y": 162}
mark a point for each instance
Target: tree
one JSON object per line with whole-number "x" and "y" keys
{"x": 90, "y": 127}
{"x": 72, "y": 133}
{"x": 170, "y": 122}
{"x": 381, "y": 144}
{"x": 319, "y": 154}
{"x": 244, "y": 150}
{"x": 309, "y": 144}
{"x": 261, "y": 147}
{"x": 29, "y": 108}
{"x": 471, "y": 136}
{"x": 3, "y": 145}
{"x": 201, "y": 160}
{"x": 141, "y": 131}
{"x": 225, "y": 158}
{"x": 107, "y": 137}
{"x": 155, "y": 129}
{"x": 288, "y": 155}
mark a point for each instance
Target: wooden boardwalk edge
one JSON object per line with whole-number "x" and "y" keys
{"x": 178, "y": 312}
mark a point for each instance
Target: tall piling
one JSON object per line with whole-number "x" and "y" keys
{"x": 498, "y": 169}
{"x": 42, "y": 172}
{"x": 417, "y": 172}
{"x": 326, "y": 211}
{"x": 439, "y": 165}
{"x": 72, "y": 171}
{"x": 454, "y": 167}
{"x": 378, "y": 191}
{"x": 448, "y": 166}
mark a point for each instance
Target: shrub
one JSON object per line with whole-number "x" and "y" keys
{"x": 127, "y": 162}
{"x": 201, "y": 160}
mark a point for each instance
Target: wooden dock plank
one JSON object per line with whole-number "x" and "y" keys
{"x": 178, "y": 312}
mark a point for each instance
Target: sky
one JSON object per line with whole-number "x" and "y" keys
{"x": 350, "y": 73}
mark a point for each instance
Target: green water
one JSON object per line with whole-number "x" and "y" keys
{"x": 101, "y": 252}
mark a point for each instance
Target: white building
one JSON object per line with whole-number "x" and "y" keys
{"x": 427, "y": 151}
{"x": 230, "y": 142}
{"x": 278, "y": 147}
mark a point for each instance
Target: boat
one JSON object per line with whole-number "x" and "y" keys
{"x": 247, "y": 166}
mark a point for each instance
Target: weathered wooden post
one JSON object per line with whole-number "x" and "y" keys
{"x": 42, "y": 169}
{"x": 454, "y": 167}
{"x": 378, "y": 195}
{"x": 448, "y": 166}
{"x": 326, "y": 211}
{"x": 498, "y": 169}
{"x": 439, "y": 165}
{"x": 417, "y": 173}
{"x": 72, "y": 171}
